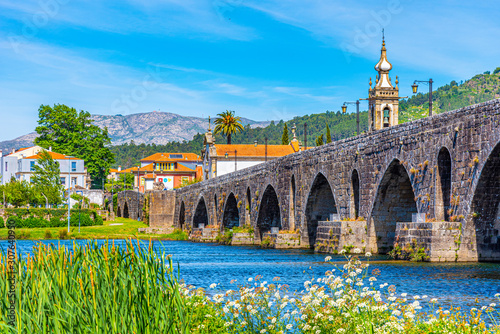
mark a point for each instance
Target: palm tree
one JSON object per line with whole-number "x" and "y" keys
{"x": 228, "y": 124}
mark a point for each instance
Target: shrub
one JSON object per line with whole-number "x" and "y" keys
{"x": 83, "y": 219}
{"x": 95, "y": 206}
{"x": 23, "y": 235}
{"x": 2, "y": 223}
{"x": 47, "y": 235}
{"x": 63, "y": 234}
{"x": 225, "y": 238}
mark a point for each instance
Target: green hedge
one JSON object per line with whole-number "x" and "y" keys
{"x": 35, "y": 218}
{"x": 2, "y": 223}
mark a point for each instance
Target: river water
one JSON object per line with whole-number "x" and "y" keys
{"x": 458, "y": 284}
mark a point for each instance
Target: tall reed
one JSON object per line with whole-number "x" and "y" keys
{"x": 94, "y": 289}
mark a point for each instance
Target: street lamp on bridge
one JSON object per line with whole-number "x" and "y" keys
{"x": 429, "y": 82}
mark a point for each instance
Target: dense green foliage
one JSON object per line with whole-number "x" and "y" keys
{"x": 124, "y": 182}
{"x": 18, "y": 193}
{"x": 72, "y": 133}
{"x": 284, "y": 136}
{"x": 94, "y": 289}
{"x": 46, "y": 179}
{"x": 40, "y": 218}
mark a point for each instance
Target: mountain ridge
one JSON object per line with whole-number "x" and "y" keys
{"x": 156, "y": 127}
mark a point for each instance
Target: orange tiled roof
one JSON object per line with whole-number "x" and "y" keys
{"x": 54, "y": 155}
{"x": 182, "y": 168}
{"x": 165, "y": 157}
{"x": 147, "y": 168}
{"x": 250, "y": 150}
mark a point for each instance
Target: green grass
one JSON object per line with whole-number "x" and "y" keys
{"x": 106, "y": 231}
{"x": 94, "y": 289}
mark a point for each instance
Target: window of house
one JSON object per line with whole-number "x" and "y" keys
{"x": 185, "y": 179}
{"x": 73, "y": 166}
{"x": 32, "y": 166}
{"x": 6, "y": 165}
{"x": 73, "y": 181}
{"x": 63, "y": 181}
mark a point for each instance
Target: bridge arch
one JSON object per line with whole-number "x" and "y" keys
{"x": 269, "y": 211}
{"x": 485, "y": 208}
{"x": 231, "y": 216}
{"x": 125, "y": 210}
{"x": 394, "y": 202}
{"x": 292, "y": 203}
{"x": 443, "y": 185}
{"x": 320, "y": 204}
{"x": 355, "y": 194}
{"x": 182, "y": 216}
{"x": 118, "y": 211}
{"x": 200, "y": 214}
{"x": 248, "y": 207}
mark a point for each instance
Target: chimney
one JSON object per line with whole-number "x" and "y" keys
{"x": 1, "y": 154}
{"x": 50, "y": 148}
{"x": 13, "y": 150}
{"x": 119, "y": 168}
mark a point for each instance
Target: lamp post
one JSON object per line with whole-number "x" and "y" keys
{"x": 69, "y": 189}
{"x": 344, "y": 110}
{"x": 429, "y": 82}
{"x": 235, "y": 160}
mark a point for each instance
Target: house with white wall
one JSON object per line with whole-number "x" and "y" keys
{"x": 20, "y": 164}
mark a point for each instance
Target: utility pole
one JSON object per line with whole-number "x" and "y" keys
{"x": 305, "y": 136}
{"x": 266, "y": 147}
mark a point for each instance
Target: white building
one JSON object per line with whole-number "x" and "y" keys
{"x": 220, "y": 159}
{"x": 20, "y": 164}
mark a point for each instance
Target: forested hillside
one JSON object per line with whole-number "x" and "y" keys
{"x": 480, "y": 88}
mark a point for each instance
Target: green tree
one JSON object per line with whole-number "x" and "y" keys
{"x": 228, "y": 124}
{"x": 319, "y": 140}
{"x": 46, "y": 179}
{"x": 72, "y": 133}
{"x": 497, "y": 70}
{"x": 125, "y": 182}
{"x": 18, "y": 193}
{"x": 284, "y": 136}
{"x": 328, "y": 134}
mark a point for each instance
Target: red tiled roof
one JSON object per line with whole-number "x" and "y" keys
{"x": 250, "y": 150}
{"x": 54, "y": 155}
{"x": 165, "y": 157}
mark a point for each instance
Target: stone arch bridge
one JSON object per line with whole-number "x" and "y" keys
{"x": 446, "y": 166}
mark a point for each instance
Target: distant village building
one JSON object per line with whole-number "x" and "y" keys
{"x": 220, "y": 159}
{"x": 20, "y": 164}
{"x": 170, "y": 170}
{"x": 383, "y": 99}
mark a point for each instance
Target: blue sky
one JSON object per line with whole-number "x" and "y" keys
{"x": 266, "y": 59}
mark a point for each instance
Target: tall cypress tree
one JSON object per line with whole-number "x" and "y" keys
{"x": 284, "y": 137}
{"x": 328, "y": 135}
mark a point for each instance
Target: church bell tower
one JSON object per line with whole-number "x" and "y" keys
{"x": 383, "y": 99}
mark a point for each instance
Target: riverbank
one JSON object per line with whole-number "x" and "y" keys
{"x": 120, "y": 228}
{"x": 349, "y": 298}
